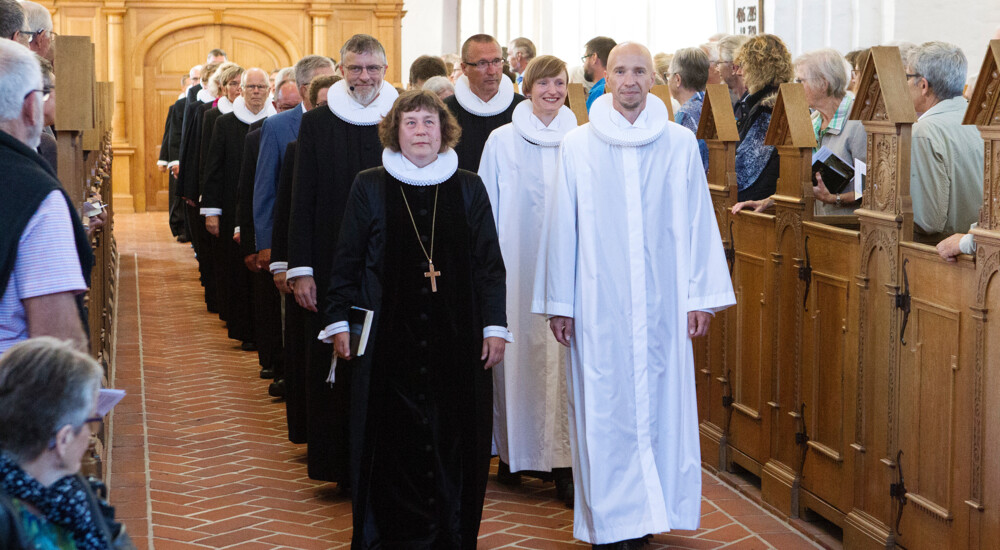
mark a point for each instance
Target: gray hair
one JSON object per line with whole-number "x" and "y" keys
{"x": 11, "y": 18}
{"x": 942, "y": 64}
{"x": 904, "y": 48}
{"x": 306, "y": 68}
{"x": 827, "y": 64}
{"x": 729, "y": 45}
{"x": 197, "y": 68}
{"x": 362, "y": 43}
{"x": 37, "y": 17}
{"x": 523, "y": 45}
{"x": 286, "y": 74}
{"x": 438, "y": 84}
{"x": 45, "y": 384}
{"x": 692, "y": 66}
{"x": 19, "y": 74}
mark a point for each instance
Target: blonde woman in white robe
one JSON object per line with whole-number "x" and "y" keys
{"x": 518, "y": 167}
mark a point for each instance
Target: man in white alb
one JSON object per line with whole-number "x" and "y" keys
{"x": 634, "y": 268}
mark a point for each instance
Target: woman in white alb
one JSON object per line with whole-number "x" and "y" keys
{"x": 530, "y": 416}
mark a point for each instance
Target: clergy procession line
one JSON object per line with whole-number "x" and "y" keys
{"x": 567, "y": 352}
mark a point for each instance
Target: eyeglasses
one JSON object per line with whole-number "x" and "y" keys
{"x": 256, "y": 87}
{"x": 730, "y": 63}
{"x": 482, "y": 64}
{"x": 96, "y": 424}
{"x": 355, "y": 70}
{"x": 914, "y": 75}
{"x": 35, "y": 34}
{"x": 586, "y": 57}
{"x": 46, "y": 93}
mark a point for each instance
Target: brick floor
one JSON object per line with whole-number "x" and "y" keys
{"x": 200, "y": 459}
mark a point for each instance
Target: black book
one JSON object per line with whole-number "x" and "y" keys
{"x": 836, "y": 173}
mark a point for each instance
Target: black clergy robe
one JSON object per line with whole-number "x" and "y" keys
{"x": 188, "y": 185}
{"x": 296, "y": 345}
{"x": 266, "y": 298}
{"x": 178, "y": 214}
{"x": 330, "y": 154}
{"x": 476, "y": 130}
{"x": 422, "y": 401}
{"x": 220, "y": 183}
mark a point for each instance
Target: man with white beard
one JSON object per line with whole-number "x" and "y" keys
{"x": 335, "y": 143}
{"x": 633, "y": 262}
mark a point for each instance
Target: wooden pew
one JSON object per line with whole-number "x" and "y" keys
{"x": 791, "y": 133}
{"x": 715, "y": 353}
{"x": 983, "y": 499}
{"x": 576, "y": 99}
{"x": 661, "y": 91}
{"x": 84, "y": 110}
{"x": 863, "y": 363}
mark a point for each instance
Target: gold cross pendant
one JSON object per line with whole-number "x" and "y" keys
{"x": 432, "y": 275}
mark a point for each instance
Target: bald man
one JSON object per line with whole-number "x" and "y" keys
{"x": 632, "y": 223}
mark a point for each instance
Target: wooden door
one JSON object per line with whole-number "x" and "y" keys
{"x": 751, "y": 370}
{"x": 935, "y": 382}
{"x": 169, "y": 60}
{"x": 829, "y": 367}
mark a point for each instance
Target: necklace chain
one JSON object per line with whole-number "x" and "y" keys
{"x": 433, "y": 223}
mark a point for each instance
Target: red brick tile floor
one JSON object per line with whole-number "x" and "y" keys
{"x": 199, "y": 455}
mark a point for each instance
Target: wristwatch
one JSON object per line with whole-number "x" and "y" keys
{"x": 839, "y": 201}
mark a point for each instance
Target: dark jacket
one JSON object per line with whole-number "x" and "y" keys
{"x": 754, "y": 160}
{"x": 12, "y": 536}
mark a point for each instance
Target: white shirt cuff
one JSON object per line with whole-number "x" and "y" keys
{"x": 301, "y": 271}
{"x": 161, "y": 163}
{"x": 236, "y": 230}
{"x": 211, "y": 211}
{"x": 173, "y": 163}
{"x": 499, "y": 332}
{"x": 326, "y": 335}
{"x": 967, "y": 244}
{"x": 278, "y": 267}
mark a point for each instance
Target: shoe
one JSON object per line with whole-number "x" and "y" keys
{"x": 266, "y": 373}
{"x": 246, "y": 346}
{"x": 565, "y": 491}
{"x": 505, "y": 477}
{"x": 277, "y": 388}
{"x": 183, "y": 239}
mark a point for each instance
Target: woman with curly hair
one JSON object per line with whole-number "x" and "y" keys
{"x": 765, "y": 64}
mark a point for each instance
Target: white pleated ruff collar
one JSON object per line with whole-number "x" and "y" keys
{"x": 225, "y": 106}
{"x": 613, "y": 128}
{"x": 434, "y": 173}
{"x": 343, "y": 105}
{"x": 471, "y": 102}
{"x": 529, "y": 127}
{"x": 244, "y": 114}
{"x": 205, "y": 96}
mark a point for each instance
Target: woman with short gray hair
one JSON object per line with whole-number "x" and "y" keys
{"x": 48, "y": 411}
{"x": 824, "y": 76}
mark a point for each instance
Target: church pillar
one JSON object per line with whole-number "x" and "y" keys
{"x": 116, "y": 68}
{"x": 320, "y": 40}
{"x": 128, "y": 191}
{"x": 388, "y": 26}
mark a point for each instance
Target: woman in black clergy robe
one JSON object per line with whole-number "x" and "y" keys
{"x": 418, "y": 246}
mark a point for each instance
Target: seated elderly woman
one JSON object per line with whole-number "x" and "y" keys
{"x": 48, "y": 411}
{"x": 765, "y": 64}
{"x": 823, "y": 75}
{"x": 688, "y": 75}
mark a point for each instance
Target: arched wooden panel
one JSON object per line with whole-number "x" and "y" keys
{"x": 172, "y": 57}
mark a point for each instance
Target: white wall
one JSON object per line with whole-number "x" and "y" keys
{"x": 561, "y": 27}
{"x": 852, "y": 24}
